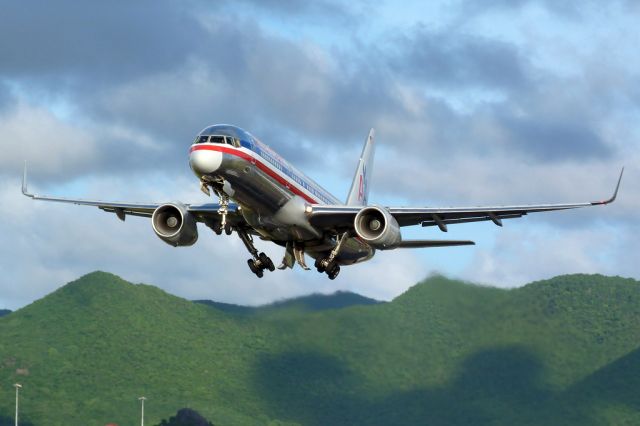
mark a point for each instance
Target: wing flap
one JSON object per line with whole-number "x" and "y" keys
{"x": 481, "y": 218}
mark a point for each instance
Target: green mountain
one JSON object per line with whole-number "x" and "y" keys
{"x": 312, "y": 302}
{"x": 562, "y": 351}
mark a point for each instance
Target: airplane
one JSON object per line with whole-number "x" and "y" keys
{"x": 260, "y": 194}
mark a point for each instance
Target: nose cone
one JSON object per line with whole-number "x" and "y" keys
{"x": 204, "y": 161}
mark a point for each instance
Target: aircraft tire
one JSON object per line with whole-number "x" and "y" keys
{"x": 266, "y": 262}
{"x": 253, "y": 267}
{"x": 333, "y": 272}
{"x": 318, "y": 265}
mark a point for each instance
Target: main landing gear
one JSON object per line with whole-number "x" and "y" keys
{"x": 259, "y": 261}
{"x": 329, "y": 264}
{"x": 331, "y": 268}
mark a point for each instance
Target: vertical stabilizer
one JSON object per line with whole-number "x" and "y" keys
{"x": 359, "y": 193}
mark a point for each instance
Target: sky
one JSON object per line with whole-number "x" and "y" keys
{"x": 473, "y": 102}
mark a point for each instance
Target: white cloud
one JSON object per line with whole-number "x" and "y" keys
{"x": 49, "y": 244}
{"x": 523, "y": 254}
{"x": 33, "y": 133}
{"x": 439, "y": 144}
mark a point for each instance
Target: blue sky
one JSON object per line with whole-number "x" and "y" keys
{"x": 493, "y": 102}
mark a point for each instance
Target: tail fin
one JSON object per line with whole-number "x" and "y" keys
{"x": 359, "y": 193}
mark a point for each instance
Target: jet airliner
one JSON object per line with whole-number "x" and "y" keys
{"x": 262, "y": 195}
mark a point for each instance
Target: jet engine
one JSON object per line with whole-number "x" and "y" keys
{"x": 175, "y": 225}
{"x": 378, "y": 227}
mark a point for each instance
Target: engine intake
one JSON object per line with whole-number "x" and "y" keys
{"x": 175, "y": 225}
{"x": 378, "y": 227}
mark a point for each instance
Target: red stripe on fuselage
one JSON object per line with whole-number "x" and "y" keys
{"x": 288, "y": 184}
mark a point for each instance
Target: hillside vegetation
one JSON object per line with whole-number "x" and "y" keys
{"x": 562, "y": 351}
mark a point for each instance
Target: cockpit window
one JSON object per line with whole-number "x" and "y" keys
{"x": 221, "y": 139}
{"x": 216, "y": 139}
{"x": 234, "y": 134}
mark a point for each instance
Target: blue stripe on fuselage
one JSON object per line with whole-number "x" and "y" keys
{"x": 280, "y": 164}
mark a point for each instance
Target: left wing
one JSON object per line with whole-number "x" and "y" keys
{"x": 340, "y": 218}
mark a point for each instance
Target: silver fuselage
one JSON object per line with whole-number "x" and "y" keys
{"x": 273, "y": 196}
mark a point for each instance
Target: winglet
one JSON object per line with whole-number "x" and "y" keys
{"x": 25, "y": 191}
{"x": 615, "y": 193}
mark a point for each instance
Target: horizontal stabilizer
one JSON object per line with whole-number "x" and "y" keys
{"x": 434, "y": 243}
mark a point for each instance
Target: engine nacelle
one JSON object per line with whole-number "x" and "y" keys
{"x": 378, "y": 227}
{"x": 175, "y": 225}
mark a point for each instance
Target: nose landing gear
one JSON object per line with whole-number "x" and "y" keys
{"x": 217, "y": 184}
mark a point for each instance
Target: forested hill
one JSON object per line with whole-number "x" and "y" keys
{"x": 562, "y": 351}
{"x": 313, "y": 302}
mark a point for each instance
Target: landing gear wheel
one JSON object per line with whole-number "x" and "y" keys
{"x": 254, "y": 268}
{"x": 329, "y": 264}
{"x": 266, "y": 262}
{"x": 259, "y": 262}
{"x": 218, "y": 230}
{"x": 333, "y": 273}
{"x": 228, "y": 229}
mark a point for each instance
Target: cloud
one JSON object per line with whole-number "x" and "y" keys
{"x": 522, "y": 255}
{"x": 115, "y": 93}
{"x": 460, "y": 62}
{"x": 32, "y": 133}
{"x": 66, "y": 42}
{"x": 332, "y": 12}
{"x": 567, "y": 9}
{"x": 51, "y": 244}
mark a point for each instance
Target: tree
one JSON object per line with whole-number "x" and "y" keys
{"x": 186, "y": 417}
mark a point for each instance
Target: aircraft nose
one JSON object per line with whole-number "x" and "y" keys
{"x": 204, "y": 161}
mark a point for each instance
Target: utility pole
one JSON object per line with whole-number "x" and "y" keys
{"x": 141, "y": 399}
{"x": 17, "y": 386}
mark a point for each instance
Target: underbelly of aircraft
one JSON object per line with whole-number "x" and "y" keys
{"x": 271, "y": 209}
{"x": 278, "y": 214}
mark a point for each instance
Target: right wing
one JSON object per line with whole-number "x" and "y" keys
{"x": 206, "y": 213}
